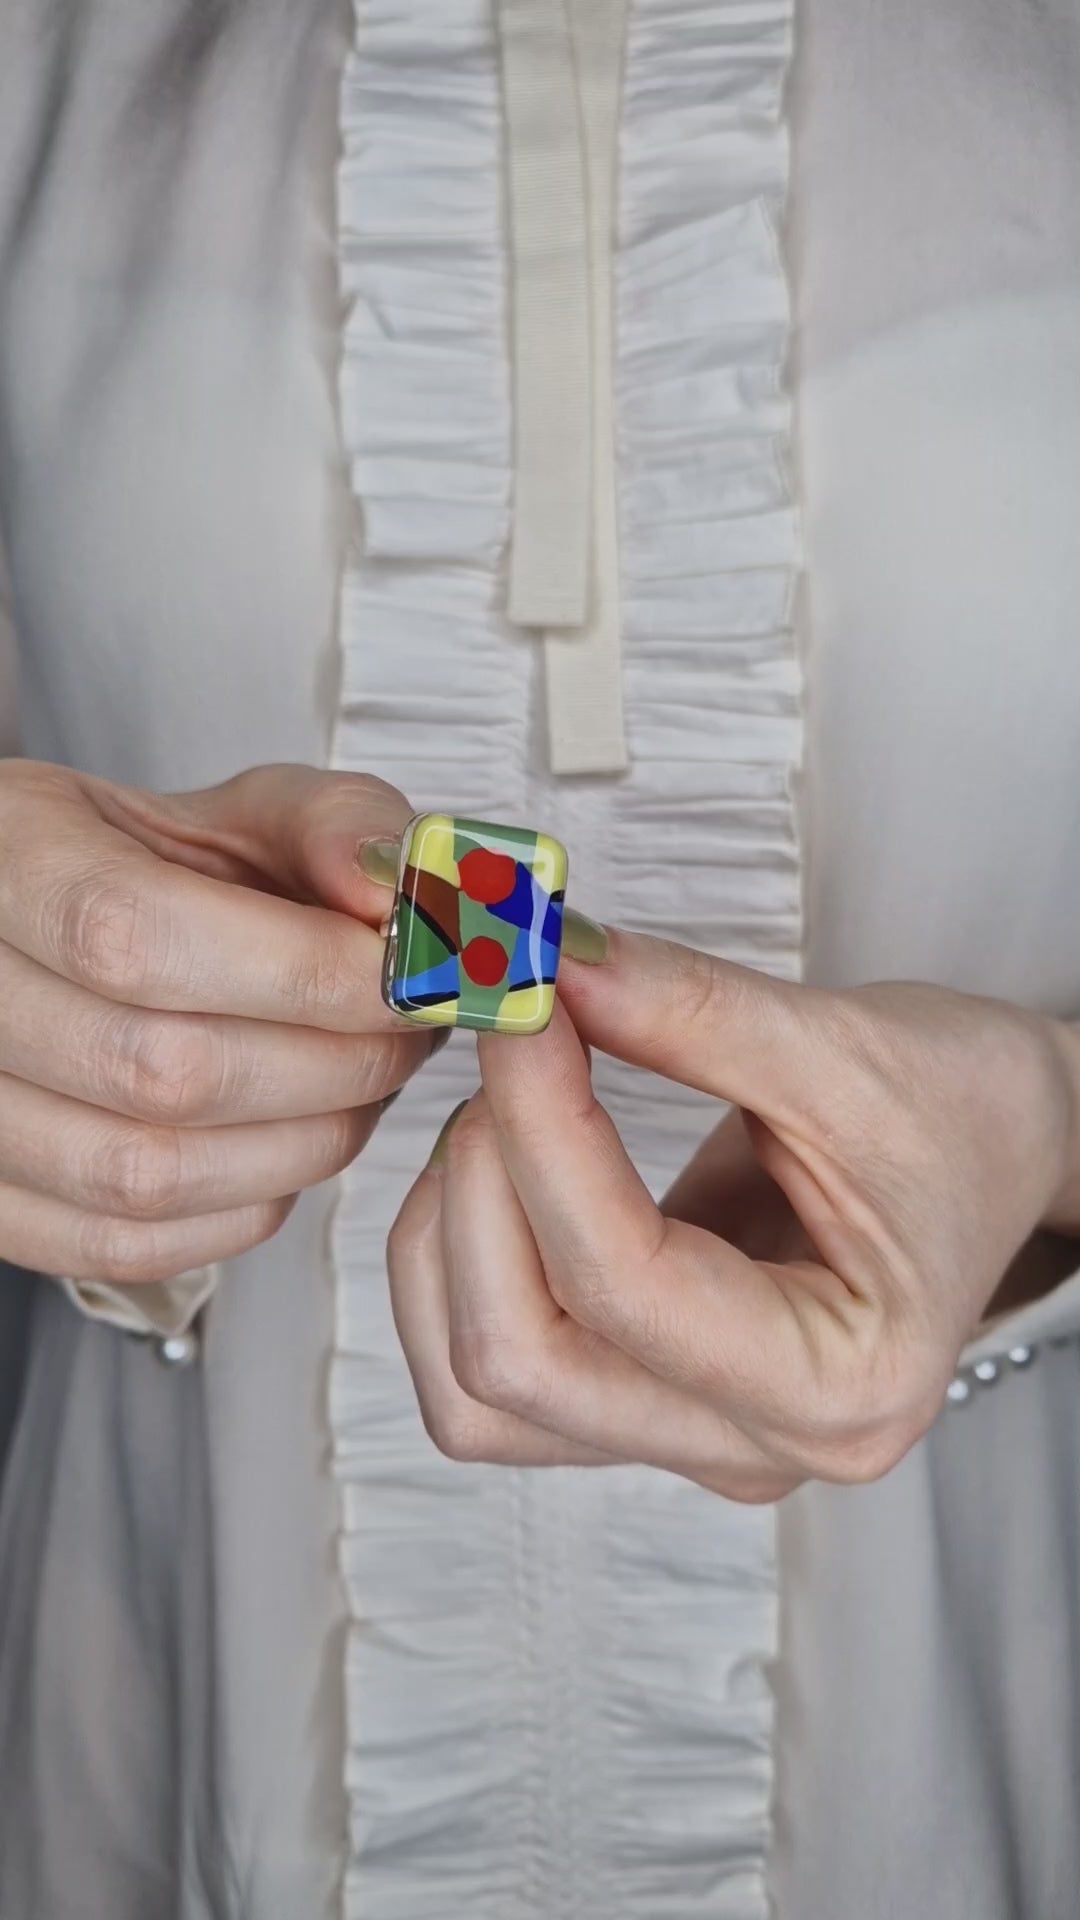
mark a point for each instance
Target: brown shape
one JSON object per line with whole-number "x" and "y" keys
{"x": 437, "y": 902}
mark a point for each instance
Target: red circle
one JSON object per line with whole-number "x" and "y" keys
{"x": 486, "y": 876}
{"x": 484, "y": 961}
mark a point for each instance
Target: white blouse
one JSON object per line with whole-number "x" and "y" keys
{"x": 296, "y": 395}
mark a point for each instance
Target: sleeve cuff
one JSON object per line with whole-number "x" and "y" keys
{"x": 156, "y": 1309}
{"x": 1056, "y": 1316}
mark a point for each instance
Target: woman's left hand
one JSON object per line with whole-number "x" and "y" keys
{"x": 912, "y": 1139}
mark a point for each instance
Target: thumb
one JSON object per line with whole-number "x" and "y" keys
{"x": 704, "y": 1022}
{"x": 299, "y": 829}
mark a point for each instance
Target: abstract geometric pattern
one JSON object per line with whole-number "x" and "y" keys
{"x": 477, "y": 926}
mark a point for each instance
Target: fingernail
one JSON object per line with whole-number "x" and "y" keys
{"x": 390, "y": 1098}
{"x": 583, "y": 939}
{"x": 379, "y": 860}
{"x": 438, "y": 1151}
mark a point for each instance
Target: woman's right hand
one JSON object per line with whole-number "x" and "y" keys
{"x": 191, "y": 1027}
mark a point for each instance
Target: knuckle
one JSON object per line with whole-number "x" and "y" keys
{"x": 339, "y": 796}
{"x": 404, "y": 1238}
{"x": 127, "y": 1252}
{"x": 592, "y": 1293}
{"x": 339, "y": 1139}
{"x": 140, "y": 1174}
{"x": 764, "y": 1493}
{"x": 170, "y": 1070}
{"x": 318, "y": 983}
{"x": 266, "y": 1219}
{"x": 381, "y": 1066}
{"x": 26, "y": 786}
{"x": 490, "y": 1368}
{"x": 866, "y": 1427}
{"x": 469, "y": 1140}
{"x": 861, "y": 1458}
{"x": 693, "y": 987}
{"x": 750, "y": 1490}
{"x": 119, "y": 1251}
{"x": 878, "y": 1082}
{"x": 458, "y": 1431}
{"x": 106, "y": 936}
{"x": 707, "y": 995}
{"x": 250, "y": 1227}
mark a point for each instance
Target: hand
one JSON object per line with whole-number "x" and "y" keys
{"x": 909, "y": 1140}
{"x": 186, "y": 1039}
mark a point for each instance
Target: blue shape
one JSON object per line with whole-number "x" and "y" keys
{"x": 549, "y": 960}
{"x": 519, "y": 909}
{"x": 528, "y": 904}
{"x": 520, "y": 971}
{"x": 435, "y": 983}
{"x": 552, "y": 929}
{"x": 532, "y": 960}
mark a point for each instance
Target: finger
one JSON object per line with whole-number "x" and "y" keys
{"x": 293, "y": 829}
{"x": 99, "y": 1161}
{"x": 704, "y": 1022}
{"x": 459, "y": 1425}
{"x": 725, "y": 1189}
{"x": 752, "y": 1338}
{"x": 708, "y": 1191}
{"x": 542, "y": 1095}
{"x": 50, "y": 1236}
{"x": 513, "y": 1348}
{"x": 94, "y": 906}
{"x": 187, "y": 1069}
{"x": 304, "y": 827}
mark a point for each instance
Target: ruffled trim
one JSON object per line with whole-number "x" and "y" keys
{"x": 557, "y": 1689}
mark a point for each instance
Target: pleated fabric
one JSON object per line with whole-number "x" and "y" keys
{"x": 558, "y": 1682}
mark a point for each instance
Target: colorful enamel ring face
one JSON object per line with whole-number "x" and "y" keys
{"x": 476, "y": 926}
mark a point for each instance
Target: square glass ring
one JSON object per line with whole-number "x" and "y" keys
{"x": 476, "y": 926}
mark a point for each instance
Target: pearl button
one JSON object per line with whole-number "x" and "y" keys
{"x": 178, "y": 1349}
{"x": 986, "y": 1372}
